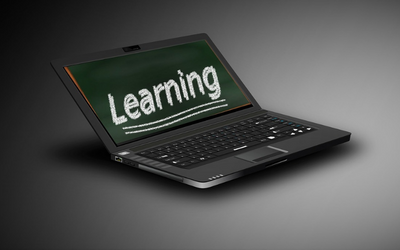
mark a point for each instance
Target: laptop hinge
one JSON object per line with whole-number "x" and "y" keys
{"x": 131, "y": 48}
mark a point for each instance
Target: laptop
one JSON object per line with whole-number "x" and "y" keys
{"x": 176, "y": 108}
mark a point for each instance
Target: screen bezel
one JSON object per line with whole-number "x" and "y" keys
{"x": 111, "y": 146}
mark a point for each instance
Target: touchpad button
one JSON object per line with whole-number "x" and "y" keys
{"x": 259, "y": 154}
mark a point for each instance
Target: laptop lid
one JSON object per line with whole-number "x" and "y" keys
{"x": 147, "y": 92}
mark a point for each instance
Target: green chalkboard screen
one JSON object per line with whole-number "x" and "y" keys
{"x": 142, "y": 94}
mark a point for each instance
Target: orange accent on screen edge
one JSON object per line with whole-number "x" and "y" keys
{"x": 77, "y": 85}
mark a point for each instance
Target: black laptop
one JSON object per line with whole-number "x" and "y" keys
{"x": 176, "y": 108}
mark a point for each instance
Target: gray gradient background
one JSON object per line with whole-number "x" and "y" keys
{"x": 335, "y": 63}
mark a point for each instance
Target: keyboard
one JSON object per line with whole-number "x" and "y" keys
{"x": 227, "y": 139}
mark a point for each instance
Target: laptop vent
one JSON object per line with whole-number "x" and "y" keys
{"x": 149, "y": 162}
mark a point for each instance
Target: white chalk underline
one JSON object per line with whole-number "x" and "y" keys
{"x": 177, "y": 120}
{"x": 172, "y": 116}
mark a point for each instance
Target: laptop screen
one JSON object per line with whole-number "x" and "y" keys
{"x": 143, "y": 94}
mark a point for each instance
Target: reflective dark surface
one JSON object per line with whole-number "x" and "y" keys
{"x": 335, "y": 63}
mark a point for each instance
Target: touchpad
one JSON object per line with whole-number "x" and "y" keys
{"x": 260, "y": 154}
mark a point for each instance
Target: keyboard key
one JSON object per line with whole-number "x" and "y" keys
{"x": 184, "y": 164}
{"x": 233, "y": 149}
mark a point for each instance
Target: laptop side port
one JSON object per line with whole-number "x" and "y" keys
{"x": 130, "y": 163}
{"x": 118, "y": 159}
{"x": 125, "y": 161}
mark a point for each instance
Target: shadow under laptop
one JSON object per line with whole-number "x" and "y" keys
{"x": 89, "y": 154}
